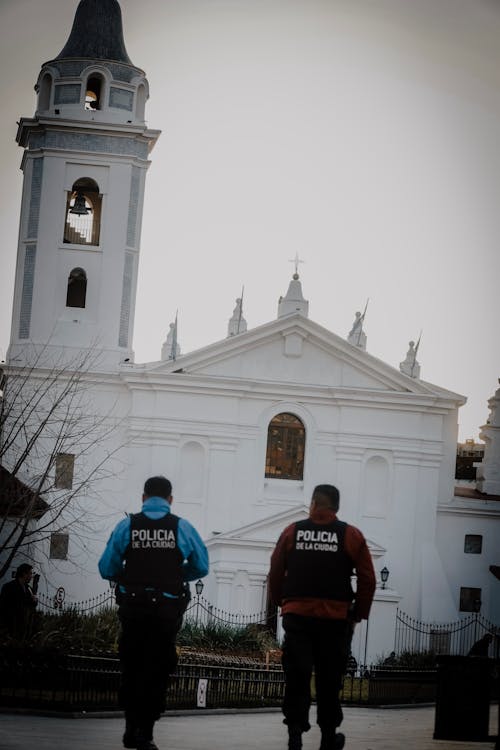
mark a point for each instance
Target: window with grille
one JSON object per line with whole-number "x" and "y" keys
{"x": 473, "y": 544}
{"x": 470, "y": 599}
{"x": 59, "y": 543}
{"x": 286, "y": 439}
{"x": 65, "y": 465}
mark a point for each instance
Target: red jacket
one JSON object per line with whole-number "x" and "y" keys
{"x": 355, "y": 547}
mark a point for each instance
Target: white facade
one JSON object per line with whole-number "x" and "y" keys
{"x": 386, "y": 438}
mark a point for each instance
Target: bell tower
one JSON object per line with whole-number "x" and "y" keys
{"x": 86, "y": 152}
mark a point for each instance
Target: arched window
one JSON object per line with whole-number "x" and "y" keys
{"x": 77, "y": 288}
{"x": 44, "y": 93}
{"x": 83, "y": 213}
{"x": 286, "y": 440}
{"x": 94, "y": 92}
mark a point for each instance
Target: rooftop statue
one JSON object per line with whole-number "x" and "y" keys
{"x": 237, "y": 323}
{"x": 356, "y": 336}
{"x": 171, "y": 349}
{"x": 410, "y": 366}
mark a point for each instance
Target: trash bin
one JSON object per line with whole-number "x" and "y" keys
{"x": 463, "y": 698}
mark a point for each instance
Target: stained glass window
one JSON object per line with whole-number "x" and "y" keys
{"x": 286, "y": 439}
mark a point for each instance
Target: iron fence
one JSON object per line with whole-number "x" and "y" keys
{"x": 58, "y": 682}
{"x": 412, "y": 635}
{"x": 199, "y": 611}
{"x": 393, "y": 686}
{"x": 80, "y": 683}
{"x": 58, "y": 603}
{"x": 415, "y": 636}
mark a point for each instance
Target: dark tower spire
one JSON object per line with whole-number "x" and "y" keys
{"x": 97, "y": 33}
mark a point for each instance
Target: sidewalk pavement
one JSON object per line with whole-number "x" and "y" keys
{"x": 365, "y": 729}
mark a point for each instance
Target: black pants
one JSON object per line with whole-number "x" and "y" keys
{"x": 323, "y": 645}
{"x": 148, "y": 657}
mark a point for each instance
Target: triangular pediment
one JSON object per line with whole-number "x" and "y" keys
{"x": 266, "y": 531}
{"x": 298, "y": 352}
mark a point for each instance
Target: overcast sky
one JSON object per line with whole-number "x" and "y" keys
{"x": 362, "y": 134}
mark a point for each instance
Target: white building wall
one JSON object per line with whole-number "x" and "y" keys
{"x": 456, "y": 520}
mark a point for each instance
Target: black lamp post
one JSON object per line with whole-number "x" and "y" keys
{"x": 198, "y": 586}
{"x": 384, "y": 575}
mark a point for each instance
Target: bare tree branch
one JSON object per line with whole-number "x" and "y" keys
{"x": 47, "y": 412}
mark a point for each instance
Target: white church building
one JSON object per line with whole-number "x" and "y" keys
{"x": 244, "y": 427}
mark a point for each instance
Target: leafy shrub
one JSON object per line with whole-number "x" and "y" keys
{"x": 407, "y": 660}
{"x": 217, "y": 636}
{"x": 74, "y": 632}
{"x": 97, "y": 633}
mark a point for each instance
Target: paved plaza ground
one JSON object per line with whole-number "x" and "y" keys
{"x": 366, "y": 729}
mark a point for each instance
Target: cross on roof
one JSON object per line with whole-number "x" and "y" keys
{"x": 296, "y": 260}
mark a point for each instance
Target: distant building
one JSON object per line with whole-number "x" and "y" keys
{"x": 469, "y": 454}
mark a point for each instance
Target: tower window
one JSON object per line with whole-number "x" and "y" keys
{"x": 77, "y": 288}
{"x": 83, "y": 213}
{"x": 93, "y": 93}
{"x": 286, "y": 439}
{"x": 44, "y": 93}
{"x": 141, "y": 102}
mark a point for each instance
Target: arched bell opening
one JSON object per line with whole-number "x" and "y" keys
{"x": 94, "y": 91}
{"x": 83, "y": 213}
{"x": 140, "y": 109}
{"x": 44, "y": 93}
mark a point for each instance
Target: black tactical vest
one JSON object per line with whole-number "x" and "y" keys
{"x": 153, "y": 558}
{"x": 317, "y": 565}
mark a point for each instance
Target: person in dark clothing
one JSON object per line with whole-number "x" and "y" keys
{"x": 151, "y": 555}
{"x": 310, "y": 578}
{"x": 18, "y": 603}
{"x": 482, "y": 646}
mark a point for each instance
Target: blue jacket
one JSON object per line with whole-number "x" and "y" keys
{"x": 188, "y": 540}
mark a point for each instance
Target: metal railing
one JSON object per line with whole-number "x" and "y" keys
{"x": 58, "y": 602}
{"x": 411, "y": 635}
{"x": 57, "y": 682}
{"x": 79, "y": 683}
{"x": 393, "y": 686}
{"x": 416, "y": 636}
{"x": 199, "y": 611}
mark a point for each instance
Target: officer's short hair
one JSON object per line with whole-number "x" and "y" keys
{"x": 327, "y": 495}
{"x": 23, "y": 569}
{"x": 158, "y": 487}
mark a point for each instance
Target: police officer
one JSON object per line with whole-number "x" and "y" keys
{"x": 310, "y": 578}
{"x": 151, "y": 555}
